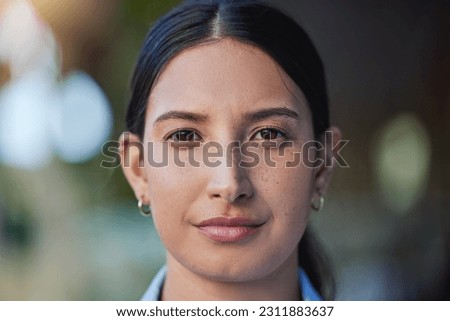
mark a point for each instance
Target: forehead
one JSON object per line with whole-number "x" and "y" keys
{"x": 223, "y": 75}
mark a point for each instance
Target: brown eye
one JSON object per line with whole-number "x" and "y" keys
{"x": 269, "y": 134}
{"x": 185, "y": 135}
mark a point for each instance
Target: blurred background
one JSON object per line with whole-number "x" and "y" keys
{"x": 70, "y": 229}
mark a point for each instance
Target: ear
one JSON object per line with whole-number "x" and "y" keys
{"x": 330, "y": 139}
{"x": 132, "y": 162}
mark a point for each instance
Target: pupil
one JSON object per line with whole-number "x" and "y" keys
{"x": 184, "y": 135}
{"x": 269, "y": 134}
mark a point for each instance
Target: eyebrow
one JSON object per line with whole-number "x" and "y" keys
{"x": 250, "y": 117}
{"x": 183, "y": 115}
{"x": 271, "y": 112}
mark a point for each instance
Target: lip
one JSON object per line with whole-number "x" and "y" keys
{"x": 229, "y": 229}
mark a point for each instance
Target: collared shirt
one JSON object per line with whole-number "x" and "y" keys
{"x": 154, "y": 290}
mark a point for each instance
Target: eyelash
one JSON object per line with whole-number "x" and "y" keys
{"x": 190, "y": 132}
{"x": 283, "y": 134}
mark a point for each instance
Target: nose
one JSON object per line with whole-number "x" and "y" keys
{"x": 230, "y": 182}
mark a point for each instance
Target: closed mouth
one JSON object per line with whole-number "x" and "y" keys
{"x": 229, "y": 229}
{"x": 229, "y": 221}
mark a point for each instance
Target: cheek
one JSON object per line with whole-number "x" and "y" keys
{"x": 287, "y": 193}
{"x": 170, "y": 178}
{"x": 287, "y": 186}
{"x": 171, "y": 192}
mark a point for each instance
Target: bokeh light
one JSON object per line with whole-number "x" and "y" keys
{"x": 82, "y": 120}
{"x": 402, "y": 162}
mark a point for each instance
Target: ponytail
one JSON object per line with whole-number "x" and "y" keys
{"x": 314, "y": 262}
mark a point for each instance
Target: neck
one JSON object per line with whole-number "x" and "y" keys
{"x": 183, "y": 284}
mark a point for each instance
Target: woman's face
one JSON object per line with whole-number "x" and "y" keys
{"x": 219, "y": 219}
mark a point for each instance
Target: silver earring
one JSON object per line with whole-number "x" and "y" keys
{"x": 145, "y": 209}
{"x": 317, "y": 205}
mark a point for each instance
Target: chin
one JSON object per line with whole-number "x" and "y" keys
{"x": 232, "y": 270}
{"x": 230, "y": 274}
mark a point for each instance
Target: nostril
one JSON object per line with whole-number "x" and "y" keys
{"x": 233, "y": 194}
{"x": 230, "y": 184}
